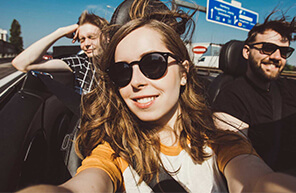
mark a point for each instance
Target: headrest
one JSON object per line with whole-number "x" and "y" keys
{"x": 121, "y": 14}
{"x": 231, "y": 60}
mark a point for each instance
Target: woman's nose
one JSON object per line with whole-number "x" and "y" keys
{"x": 138, "y": 78}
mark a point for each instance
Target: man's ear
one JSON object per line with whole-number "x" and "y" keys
{"x": 246, "y": 52}
{"x": 185, "y": 64}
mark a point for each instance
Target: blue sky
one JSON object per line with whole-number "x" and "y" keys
{"x": 40, "y": 17}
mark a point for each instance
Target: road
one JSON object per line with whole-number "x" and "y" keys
{"x": 6, "y": 69}
{"x": 8, "y": 76}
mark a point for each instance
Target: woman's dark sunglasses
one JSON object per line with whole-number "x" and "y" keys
{"x": 269, "y": 48}
{"x": 152, "y": 65}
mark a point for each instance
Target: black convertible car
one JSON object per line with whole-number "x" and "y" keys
{"x": 39, "y": 116}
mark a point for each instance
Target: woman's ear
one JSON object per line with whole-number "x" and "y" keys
{"x": 185, "y": 64}
{"x": 246, "y": 52}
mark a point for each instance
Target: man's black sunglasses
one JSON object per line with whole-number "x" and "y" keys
{"x": 152, "y": 65}
{"x": 270, "y": 48}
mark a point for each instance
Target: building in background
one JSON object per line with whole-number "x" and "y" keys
{"x": 3, "y": 35}
{"x": 205, "y": 54}
{"x": 7, "y": 50}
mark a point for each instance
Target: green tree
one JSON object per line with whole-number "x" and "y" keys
{"x": 15, "y": 38}
{"x": 289, "y": 67}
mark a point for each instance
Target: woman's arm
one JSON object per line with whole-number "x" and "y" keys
{"x": 249, "y": 173}
{"x": 89, "y": 180}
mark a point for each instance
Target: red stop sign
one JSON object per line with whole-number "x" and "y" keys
{"x": 199, "y": 49}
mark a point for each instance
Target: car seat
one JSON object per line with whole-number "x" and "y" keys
{"x": 31, "y": 121}
{"x": 233, "y": 65}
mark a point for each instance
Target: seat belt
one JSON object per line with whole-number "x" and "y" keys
{"x": 277, "y": 115}
{"x": 277, "y": 102}
{"x": 165, "y": 184}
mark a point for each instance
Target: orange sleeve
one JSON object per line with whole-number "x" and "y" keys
{"x": 101, "y": 157}
{"x": 226, "y": 152}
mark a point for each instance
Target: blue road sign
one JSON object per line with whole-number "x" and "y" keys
{"x": 230, "y": 15}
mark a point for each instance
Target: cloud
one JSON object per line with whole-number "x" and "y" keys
{"x": 102, "y": 10}
{"x": 98, "y": 8}
{"x": 91, "y": 7}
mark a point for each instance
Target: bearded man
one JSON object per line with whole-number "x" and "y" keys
{"x": 262, "y": 105}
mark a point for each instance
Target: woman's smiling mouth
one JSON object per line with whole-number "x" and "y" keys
{"x": 144, "y": 102}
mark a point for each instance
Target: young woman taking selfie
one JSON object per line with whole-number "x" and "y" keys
{"x": 147, "y": 117}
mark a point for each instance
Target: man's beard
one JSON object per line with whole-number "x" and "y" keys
{"x": 260, "y": 73}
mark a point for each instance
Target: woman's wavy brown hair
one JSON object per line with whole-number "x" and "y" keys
{"x": 106, "y": 117}
{"x": 176, "y": 18}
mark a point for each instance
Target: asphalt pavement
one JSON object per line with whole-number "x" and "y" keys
{"x": 6, "y": 69}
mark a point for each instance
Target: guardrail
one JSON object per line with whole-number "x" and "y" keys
{"x": 290, "y": 74}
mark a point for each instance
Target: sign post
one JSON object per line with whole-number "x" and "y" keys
{"x": 231, "y": 15}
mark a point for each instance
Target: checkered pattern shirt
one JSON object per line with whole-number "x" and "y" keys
{"x": 83, "y": 71}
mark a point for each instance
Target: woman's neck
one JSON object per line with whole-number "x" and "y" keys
{"x": 169, "y": 134}
{"x": 168, "y": 137}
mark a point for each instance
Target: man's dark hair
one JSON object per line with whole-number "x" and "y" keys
{"x": 281, "y": 26}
